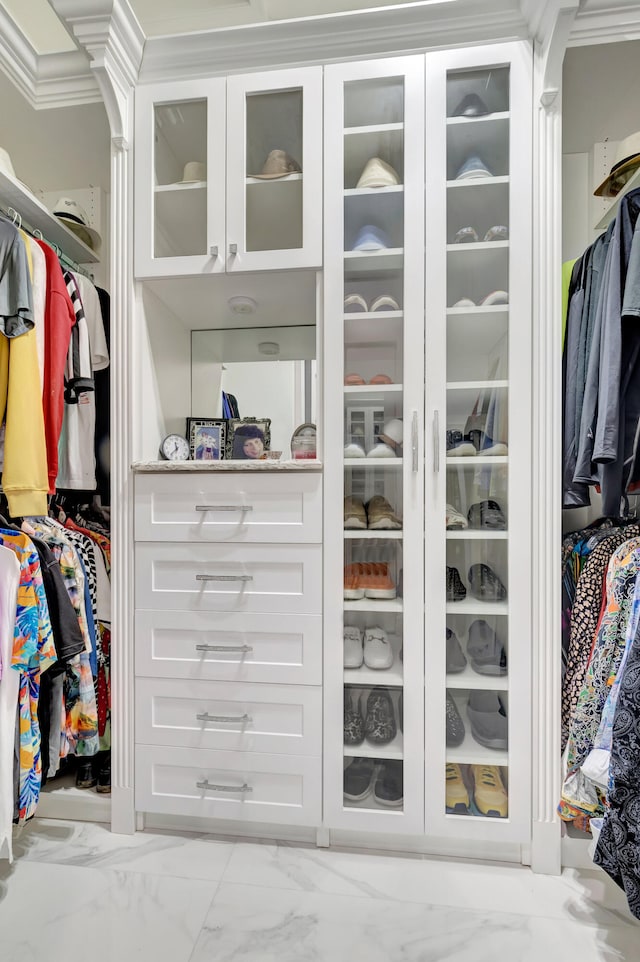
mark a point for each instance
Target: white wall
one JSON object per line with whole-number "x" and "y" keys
{"x": 266, "y": 389}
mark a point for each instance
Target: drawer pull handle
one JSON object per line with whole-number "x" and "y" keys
{"x": 206, "y": 717}
{"x": 242, "y": 648}
{"x": 224, "y": 577}
{"x": 224, "y": 507}
{"x": 207, "y": 787}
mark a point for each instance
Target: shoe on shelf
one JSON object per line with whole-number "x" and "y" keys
{"x": 378, "y": 583}
{"x": 455, "y": 520}
{"x": 497, "y": 450}
{"x": 497, "y": 233}
{"x": 456, "y": 797}
{"x": 355, "y": 517}
{"x": 455, "y": 724}
{"x": 353, "y": 379}
{"x": 384, "y": 303}
{"x": 388, "y": 784}
{"x": 473, "y": 168}
{"x": 104, "y": 776}
{"x": 456, "y": 591}
{"x": 464, "y": 302}
{"x": 485, "y": 585}
{"x": 371, "y": 238}
{"x": 354, "y": 451}
{"x": 456, "y": 660}
{"x": 358, "y": 778}
{"x": 380, "y": 722}
{"x": 378, "y": 653}
{"x": 487, "y": 514}
{"x": 381, "y": 516}
{"x": 381, "y": 379}
{"x": 353, "y": 653}
{"x": 466, "y": 235}
{"x": 495, "y": 298}
{"x": 353, "y": 729}
{"x": 355, "y": 303}
{"x": 353, "y": 589}
{"x": 463, "y": 450}
{"x": 489, "y": 794}
{"x": 489, "y": 723}
{"x": 401, "y": 711}
{"x": 85, "y": 777}
{"x": 471, "y": 106}
{"x": 378, "y": 173}
{"x": 381, "y": 450}
{"x": 486, "y": 653}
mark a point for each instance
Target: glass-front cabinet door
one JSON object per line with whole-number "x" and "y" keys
{"x": 274, "y": 165}
{"x": 180, "y": 178}
{"x": 478, "y": 474}
{"x": 374, "y": 403}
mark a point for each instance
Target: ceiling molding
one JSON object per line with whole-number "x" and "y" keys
{"x": 358, "y": 35}
{"x": 609, "y": 25}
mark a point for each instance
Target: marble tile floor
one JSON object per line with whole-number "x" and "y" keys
{"x": 75, "y": 891}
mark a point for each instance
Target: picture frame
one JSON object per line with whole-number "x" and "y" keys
{"x": 248, "y": 439}
{"x": 207, "y": 438}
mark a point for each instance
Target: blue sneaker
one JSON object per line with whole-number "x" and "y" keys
{"x": 371, "y": 238}
{"x": 472, "y": 168}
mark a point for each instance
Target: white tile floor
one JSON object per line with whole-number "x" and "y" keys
{"x": 76, "y": 891}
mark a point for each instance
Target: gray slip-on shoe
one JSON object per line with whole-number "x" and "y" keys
{"x": 489, "y": 724}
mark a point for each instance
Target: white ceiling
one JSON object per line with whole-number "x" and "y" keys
{"x": 40, "y": 25}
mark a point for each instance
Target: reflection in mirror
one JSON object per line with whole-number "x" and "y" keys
{"x": 271, "y": 373}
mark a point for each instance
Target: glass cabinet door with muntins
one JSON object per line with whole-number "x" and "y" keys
{"x": 477, "y": 677}
{"x": 374, "y": 313}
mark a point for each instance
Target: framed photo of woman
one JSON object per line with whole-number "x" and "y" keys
{"x": 207, "y": 438}
{"x": 248, "y": 439}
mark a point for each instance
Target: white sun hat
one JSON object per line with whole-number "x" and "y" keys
{"x": 75, "y": 218}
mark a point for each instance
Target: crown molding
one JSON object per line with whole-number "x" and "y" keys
{"x": 100, "y": 24}
{"x": 326, "y": 39}
{"x": 609, "y": 24}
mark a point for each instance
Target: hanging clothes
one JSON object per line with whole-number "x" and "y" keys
{"x": 9, "y": 691}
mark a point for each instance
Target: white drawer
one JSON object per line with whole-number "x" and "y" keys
{"x": 229, "y": 577}
{"x": 244, "y": 787}
{"x": 279, "y": 719}
{"x": 229, "y": 507}
{"x": 285, "y": 649}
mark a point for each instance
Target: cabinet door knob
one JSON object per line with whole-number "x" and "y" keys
{"x": 214, "y": 250}
{"x": 233, "y": 248}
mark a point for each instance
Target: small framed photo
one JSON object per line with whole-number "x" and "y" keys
{"x": 207, "y": 438}
{"x": 248, "y": 439}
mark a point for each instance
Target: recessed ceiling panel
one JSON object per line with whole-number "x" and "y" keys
{"x": 40, "y": 25}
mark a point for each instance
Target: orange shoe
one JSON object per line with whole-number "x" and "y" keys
{"x": 381, "y": 584}
{"x": 353, "y": 589}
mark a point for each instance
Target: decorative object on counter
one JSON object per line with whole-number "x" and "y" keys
{"x": 303, "y": 442}
{"x": 278, "y": 164}
{"x": 248, "y": 439}
{"x": 174, "y": 448}
{"x": 207, "y": 438}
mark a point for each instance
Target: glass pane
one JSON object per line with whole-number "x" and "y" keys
{"x": 180, "y": 170}
{"x": 274, "y": 171}
{"x": 373, "y": 435}
{"x": 477, "y": 512}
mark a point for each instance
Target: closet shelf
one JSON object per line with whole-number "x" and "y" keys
{"x": 476, "y": 247}
{"x": 366, "y": 750}
{"x": 290, "y": 178}
{"x": 472, "y": 753}
{"x": 353, "y": 534}
{"x": 373, "y": 191}
{"x": 375, "y": 462}
{"x": 476, "y": 385}
{"x": 179, "y": 188}
{"x": 392, "y": 606}
{"x": 479, "y": 310}
{"x": 472, "y": 121}
{"x": 471, "y": 606}
{"x": 364, "y": 392}
{"x": 372, "y": 129}
{"x": 470, "y": 680}
{"x": 387, "y": 259}
{"x": 477, "y": 462}
{"x": 38, "y": 217}
{"x": 466, "y": 535}
{"x": 477, "y": 182}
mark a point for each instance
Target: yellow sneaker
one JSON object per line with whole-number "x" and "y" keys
{"x": 489, "y": 793}
{"x": 457, "y": 796}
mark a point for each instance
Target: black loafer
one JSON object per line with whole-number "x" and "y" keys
{"x": 485, "y": 584}
{"x": 357, "y": 779}
{"x": 388, "y": 788}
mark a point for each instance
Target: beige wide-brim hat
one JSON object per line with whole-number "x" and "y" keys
{"x": 75, "y": 218}
{"x": 378, "y": 173}
{"x": 626, "y": 163}
{"x": 194, "y": 172}
{"x": 278, "y": 164}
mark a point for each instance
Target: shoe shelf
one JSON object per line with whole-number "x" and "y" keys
{"x": 476, "y": 385}
{"x": 475, "y": 248}
{"x": 373, "y": 315}
{"x": 356, "y": 534}
{"x": 478, "y": 461}
{"x": 376, "y": 462}
{"x": 470, "y": 680}
{"x": 373, "y": 605}
{"x": 471, "y": 606}
{"x": 371, "y": 804}
{"x": 472, "y": 752}
{"x": 387, "y": 259}
{"x": 477, "y": 182}
{"x": 466, "y": 535}
{"x": 367, "y": 749}
{"x": 373, "y": 191}
{"x": 487, "y": 120}
{"x": 372, "y": 392}
{"x": 478, "y": 310}
{"x": 373, "y": 129}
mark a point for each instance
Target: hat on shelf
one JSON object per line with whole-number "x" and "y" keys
{"x": 75, "y": 218}
{"x": 625, "y": 165}
{"x": 6, "y": 167}
{"x": 471, "y": 106}
{"x": 473, "y": 167}
{"x": 377, "y": 173}
{"x": 392, "y": 432}
{"x": 194, "y": 172}
{"x": 278, "y": 164}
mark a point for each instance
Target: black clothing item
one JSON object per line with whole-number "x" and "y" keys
{"x": 102, "y": 380}
{"x": 67, "y": 637}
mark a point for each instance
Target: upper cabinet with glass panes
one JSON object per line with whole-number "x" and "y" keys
{"x": 229, "y": 174}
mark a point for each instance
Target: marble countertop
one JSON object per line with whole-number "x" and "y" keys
{"x": 206, "y": 467}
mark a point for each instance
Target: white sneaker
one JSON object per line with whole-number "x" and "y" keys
{"x": 353, "y": 654}
{"x": 464, "y": 450}
{"x": 378, "y": 653}
{"x": 497, "y": 450}
{"x": 354, "y": 451}
{"x": 381, "y": 451}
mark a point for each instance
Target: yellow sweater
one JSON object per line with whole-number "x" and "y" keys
{"x": 24, "y": 478}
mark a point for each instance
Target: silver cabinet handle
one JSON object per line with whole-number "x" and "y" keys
{"x": 224, "y": 577}
{"x": 206, "y": 717}
{"x": 207, "y": 787}
{"x": 414, "y": 442}
{"x": 436, "y": 442}
{"x": 233, "y": 248}
{"x": 214, "y": 250}
{"x": 224, "y": 507}
{"x": 242, "y": 648}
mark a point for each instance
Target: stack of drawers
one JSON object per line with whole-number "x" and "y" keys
{"x": 228, "y": 595}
